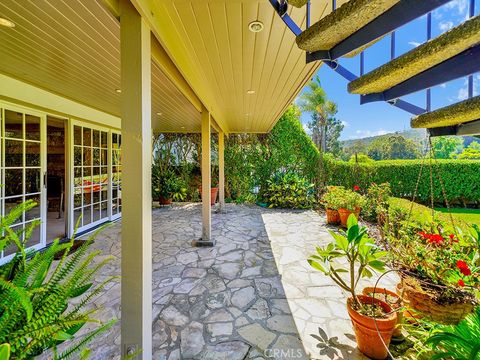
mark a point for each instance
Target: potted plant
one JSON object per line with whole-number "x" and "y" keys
{"x": 213, "y": 194}
{"x": 331, "y": 201}
{"x": 167, "y": 187}
{"x": 440, "y": 271}
{"x": 391, "y": 298}
{"x": 363, "y": 258}
{"x": 349, "y": 202}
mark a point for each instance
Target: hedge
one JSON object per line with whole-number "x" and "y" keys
{"x": 461, "y": 178}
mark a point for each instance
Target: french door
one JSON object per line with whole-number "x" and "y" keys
{"x": 22, "y": 169}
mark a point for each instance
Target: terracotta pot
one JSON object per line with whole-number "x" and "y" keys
{"x": 333, "y": 217}
{"x": 162, "y": 201}
{"x": 345, "y": 213}
{"x": 213, "y": 194}
{"x": 424, "y": 302}
{"x": 369, "y": 340}
{"x": 379, "y": 293}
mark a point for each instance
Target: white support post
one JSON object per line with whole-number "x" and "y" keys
{"x": 206, "y": 239}
{"x": 221, "y": 170}
{"x": 136, "y": 262}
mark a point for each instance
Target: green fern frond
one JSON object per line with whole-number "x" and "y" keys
{"x": 81, "y": 345}
{"x": 16, "y": 294}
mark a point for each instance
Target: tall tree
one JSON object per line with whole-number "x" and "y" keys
{"x": 393, "y": 147}
{"x": 447, "y": 147}
{"x": 323, "y": 124}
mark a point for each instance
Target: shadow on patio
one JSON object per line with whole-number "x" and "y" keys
{"x": 252, "y": 296}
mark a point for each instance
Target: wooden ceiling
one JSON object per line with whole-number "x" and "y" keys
{"x": 71, "y": 48}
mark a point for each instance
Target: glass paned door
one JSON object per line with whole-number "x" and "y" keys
{"x": 21, "y": 168}
{"x": 90, "y": 176}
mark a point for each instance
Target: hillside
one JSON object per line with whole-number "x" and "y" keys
{"x": 417, "y": 135}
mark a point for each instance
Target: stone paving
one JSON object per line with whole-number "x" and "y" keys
{"x": 252, "y": 296}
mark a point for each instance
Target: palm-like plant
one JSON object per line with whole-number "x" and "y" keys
{"x": 315, "y": 101}
{"x": 460, "y": 342}
{"x": 35, "y": 292}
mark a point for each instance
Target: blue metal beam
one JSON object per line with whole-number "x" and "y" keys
{"x": 281, "y": 9}
{"x": 463, "y": 64}
{"x": 398, "y": 15}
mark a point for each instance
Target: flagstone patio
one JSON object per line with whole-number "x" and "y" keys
{"x": 252, "y": 296}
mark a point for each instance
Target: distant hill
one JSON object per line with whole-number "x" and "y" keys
{"x": 417, "y": 135}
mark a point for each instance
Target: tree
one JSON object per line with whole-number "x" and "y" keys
{"x": 360, "y": 158}
{"x": 393, "y": 147}
{"x": 472, "y": 152}
{"x": 447, "y": 147}
{"x": 325, "y": 127}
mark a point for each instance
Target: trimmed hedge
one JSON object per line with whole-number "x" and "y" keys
{"x": 461, "y": 178}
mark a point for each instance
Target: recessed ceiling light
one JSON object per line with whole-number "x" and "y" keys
{"x": 118, "y": 90}
{"x": 250, "y": 92}
{"x": 183, "y": 127}
{"x": 6, "y": 23}
{"x": 255, "y": 26}
{"x": 247, "y": 114}
{"x": 159, "y": 113}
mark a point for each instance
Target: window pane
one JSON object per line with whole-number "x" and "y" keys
{"x": 76, "y": 216}
{"x": 32, "y": 127}
{"x": 77, "y": 174}
{"x": 13, "y": 182}
{"x": 104, "y": 156}
{"x": 32, "y": 181}
{"x": 35, "y": 238}
{"x": 10, "y": 204}
{"x": 35, "y": 212}
{"x": 87, "y": 156}
{"x": 32, "y": 156}
{"x": 96, "y": 138}
{"x": 13, "y": 124}
{"x": 13, "y": 153}
{"x": 77, "y": 135}
{"x": 96, "y": 157}
{"x": 104, "y": 143}
{"x": 87, "y": 215}
{"x": 77, "y": 156}
{"x": 77, "y": 197}
{"x": 87, "y": 196}
{"x": 87, "y": 137}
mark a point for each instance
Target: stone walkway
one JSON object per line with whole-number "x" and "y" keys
{"x": 252, "y": 296}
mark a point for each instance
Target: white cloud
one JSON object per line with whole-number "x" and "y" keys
{"x": 443, "y": 86}
{"x": 414, "y": 43}
{"x": 359, "y": 134}
{"x": 460, "y": 5}
{"x": 462, "y": 94}
{"x": 445, "y": 25}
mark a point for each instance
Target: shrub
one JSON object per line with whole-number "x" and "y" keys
{"x": 288, "y": 190}
{"x": 333, "y": 197}
{"x": 460, "y": 178}
{"x": 376, "y": 202}
{"x": 337, "y": 197}
{"x": 36, "y": 311}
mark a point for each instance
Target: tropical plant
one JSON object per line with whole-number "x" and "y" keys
{"x": 167, "y": 185}
{"x": 459, "y": 342}
{"x": 362, "y": 256}
{"x": 376, "y": 201}
{"x": 288, "y": 190}
{"x": 315, "y": 101}
{"x": 36, "y": 311}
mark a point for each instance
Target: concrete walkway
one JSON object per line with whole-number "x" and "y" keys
{"x": 252, "y": 296}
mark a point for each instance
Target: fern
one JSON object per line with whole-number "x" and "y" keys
{"x": 35, "y": 292}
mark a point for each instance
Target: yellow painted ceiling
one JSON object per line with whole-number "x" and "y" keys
{"x": 71, "y": 48}
{"x": 222, "y": 60}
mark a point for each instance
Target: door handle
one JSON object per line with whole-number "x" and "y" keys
{"x": 45, "y": 179}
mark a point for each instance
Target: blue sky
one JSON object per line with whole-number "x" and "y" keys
{"x": 380, "y": 118}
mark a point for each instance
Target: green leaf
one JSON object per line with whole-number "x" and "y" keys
{"x": 317, "y": 266}
{"x": 62, "y": 336}
{"x": 351, "y": 221}
{"x": 4, "y": 351}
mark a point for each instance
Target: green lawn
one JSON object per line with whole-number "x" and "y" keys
{"x": 470, "y": 216}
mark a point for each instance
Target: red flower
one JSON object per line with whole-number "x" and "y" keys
{"x": 356, "y": 188}
{"x": 463, "y": 267}
{"x": 461, "y": 283}
{"x": 452, "y": 238}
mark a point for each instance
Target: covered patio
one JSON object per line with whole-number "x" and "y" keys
{"x": 252, "y": 296}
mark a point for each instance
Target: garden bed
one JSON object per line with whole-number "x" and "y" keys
{"x": 419, "y": 59}
{"x": 459, "y": 113}
{"x": 341, "y": 23}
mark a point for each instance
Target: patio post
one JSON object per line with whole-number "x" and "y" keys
{"x": 221, "y": 170}
{"x": 136, "y": 258}
{"x": 206, "y": 239}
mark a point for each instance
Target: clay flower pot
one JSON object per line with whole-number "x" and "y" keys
{"x": 345, "y": 213}
{"x": 162, "y": 201}
{"x": 395, "y": 303}
{"x": 333, "y": 217}
{"x": 369, "y": 340}
{"x": 213, "y": 194}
